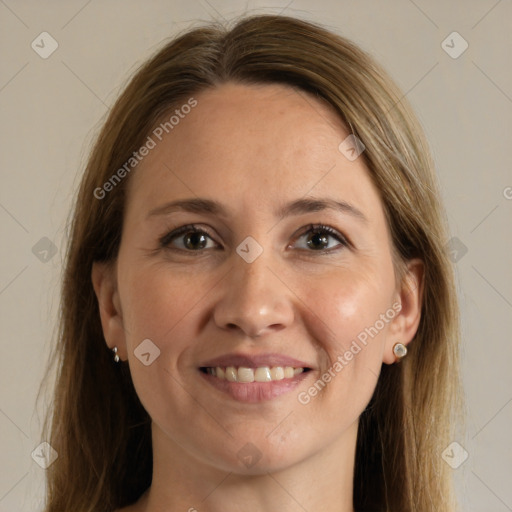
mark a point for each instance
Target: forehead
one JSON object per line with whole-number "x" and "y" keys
{"x": 268, "y": 143}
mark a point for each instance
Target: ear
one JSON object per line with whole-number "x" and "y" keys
{"x": 104, "y": 281}
{"x": 404, "y": 325}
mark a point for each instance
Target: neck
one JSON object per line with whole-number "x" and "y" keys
{"x": 322, "y": 481}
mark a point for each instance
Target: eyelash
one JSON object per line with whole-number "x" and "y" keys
{"x": 192, "y": 228}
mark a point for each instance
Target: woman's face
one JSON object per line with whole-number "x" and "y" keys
{"x": 255, "y": 281}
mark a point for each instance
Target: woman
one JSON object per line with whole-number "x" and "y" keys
{"x": 257, "y": 308}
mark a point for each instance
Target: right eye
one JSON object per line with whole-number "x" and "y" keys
{"x": 188, "y": 238}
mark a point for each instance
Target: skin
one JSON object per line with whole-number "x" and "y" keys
{"x": 254, "y": 148}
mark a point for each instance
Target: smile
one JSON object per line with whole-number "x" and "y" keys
{"x": 253, "y": 385}
{"x": 260, "y": 374}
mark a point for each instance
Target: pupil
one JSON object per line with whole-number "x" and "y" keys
{"x": 194, "y": 239}
{"x": 319, "y": 241}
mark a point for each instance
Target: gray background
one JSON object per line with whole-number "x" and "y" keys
{"x": 51, "y": 108}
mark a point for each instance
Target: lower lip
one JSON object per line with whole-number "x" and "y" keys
{"x": 254, "y": 392}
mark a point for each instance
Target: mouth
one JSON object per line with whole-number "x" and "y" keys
{"x": 253, "y": 385}
{"x": 246, "y": 374}
{"x": 254, "y": 378}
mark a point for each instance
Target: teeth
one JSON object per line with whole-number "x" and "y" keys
{"x": 288, "y": 372}
{"x": 245, "y": 374}
{"x": 231, "y": 373}
{"x": 277, "y": 373}
{"x": 261, "y": 374}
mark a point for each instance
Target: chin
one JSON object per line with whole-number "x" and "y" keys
{"x": 257, "y": 458}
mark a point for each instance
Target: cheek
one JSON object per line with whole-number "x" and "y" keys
{"x": 163, "y": 306}
{"x": 347, "y": 318}
{"x": 158, "y": 301}
{"x": 349, "y": 304}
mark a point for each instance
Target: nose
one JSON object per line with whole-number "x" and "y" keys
{"x": 254, "y": 300}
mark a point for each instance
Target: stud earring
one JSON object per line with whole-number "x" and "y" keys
{"x": 400, "y": 350}
{"x": 116, "y": 357}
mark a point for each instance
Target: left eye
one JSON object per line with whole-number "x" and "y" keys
{"x": 321, "y": 238}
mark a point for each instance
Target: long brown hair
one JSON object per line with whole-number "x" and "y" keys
{"x": 97, "y": 425}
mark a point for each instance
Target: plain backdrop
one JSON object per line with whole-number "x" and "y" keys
{"x": 52, "y": 107}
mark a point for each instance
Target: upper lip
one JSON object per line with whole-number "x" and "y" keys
{"x": 255, "y": 361}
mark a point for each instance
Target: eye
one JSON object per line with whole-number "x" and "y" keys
{"x": 321, "y": 238}
{"x": 188, "y": 238}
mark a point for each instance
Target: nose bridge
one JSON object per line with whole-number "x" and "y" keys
{"x": 254, "y": 300}
{"x": 253, "y": 281}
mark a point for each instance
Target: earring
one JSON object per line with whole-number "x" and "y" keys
{"x": 116, "y": 357}
{"x": 400, "y": 350}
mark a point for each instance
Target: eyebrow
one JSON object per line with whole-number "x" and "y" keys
{"x": 308, "y": 205}
{"x": 298, "y": 207}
